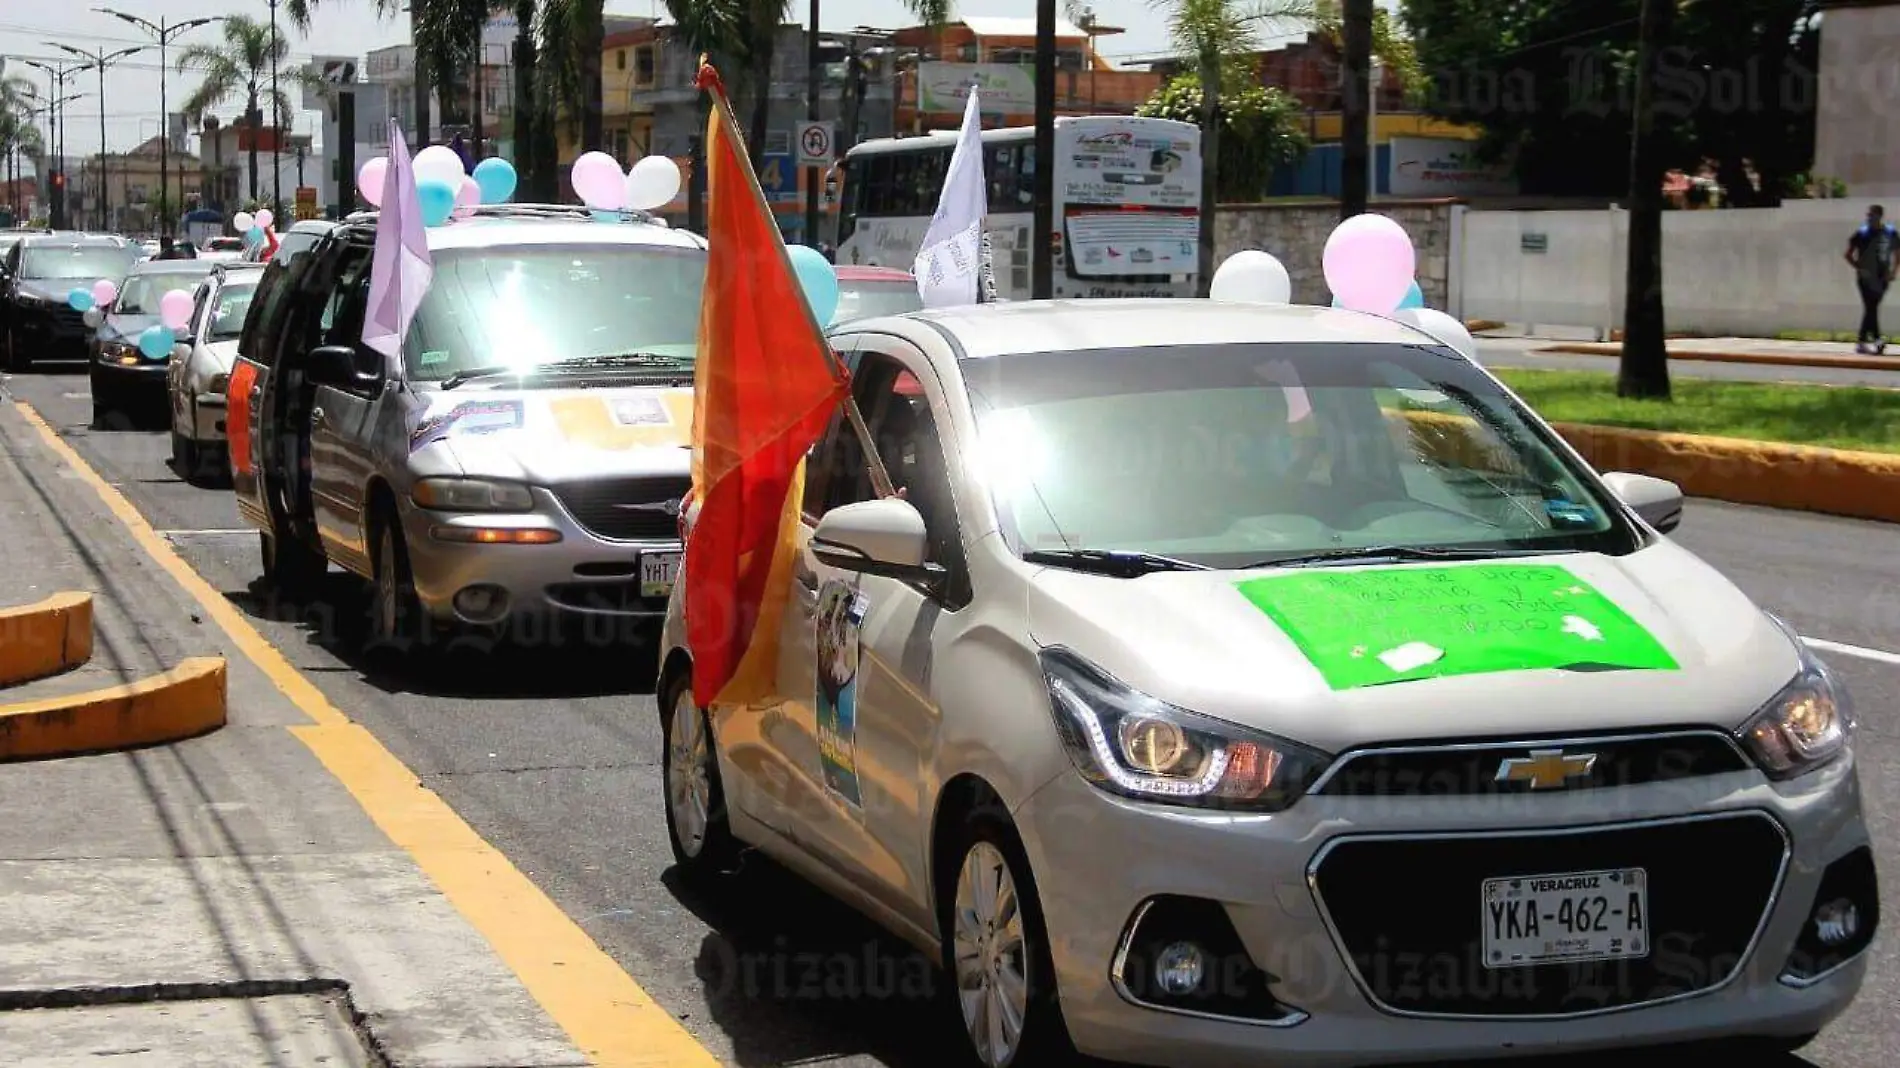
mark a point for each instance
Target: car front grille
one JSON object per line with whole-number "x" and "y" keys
{"x": 627, "y": 509}
{"x": 1452, "y": 769}
{"x": 1406, "y": 910}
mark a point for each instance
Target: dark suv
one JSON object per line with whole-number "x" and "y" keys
{"x": 40, "y": 271}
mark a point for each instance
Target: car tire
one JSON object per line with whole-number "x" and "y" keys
{"x": 292, "y": 568}
{"x": 991, "y": 929}
{"x": 186, "y": 459}
{"x": 697, "y": 824}
{"x": 397, "y": 623}
{"x": 106, "y": 408}
{"x": 17, "y": 363}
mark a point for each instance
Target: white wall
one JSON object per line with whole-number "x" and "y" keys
{"x": 1744, "y": 272}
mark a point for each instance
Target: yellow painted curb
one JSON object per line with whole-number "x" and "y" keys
{"x": 37, "y": 640}
{"x": 186, "y": 701}
{"x": 1768, "y": 359}
{"x": 1479, "y": 326}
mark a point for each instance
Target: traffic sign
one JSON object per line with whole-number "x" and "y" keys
{"x": 814, "y": 144}
{"x": 778, "y": 178}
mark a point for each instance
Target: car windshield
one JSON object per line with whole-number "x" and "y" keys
{"x": 234, "y": 300}
{"x": 141, "y": 292}
{"x": 865, "y": 300}
{"x": 524, "y": 307}
{"x": 75, "y": 261}
{"x": 1237, "y": 455}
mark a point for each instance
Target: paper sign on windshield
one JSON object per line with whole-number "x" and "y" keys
{"x": 1369, "y": 628}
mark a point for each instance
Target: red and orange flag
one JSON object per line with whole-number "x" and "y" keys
{"x": 764, "y": 388}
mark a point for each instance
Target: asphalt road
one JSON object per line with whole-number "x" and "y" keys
{"x": 1520, "y": 352}
{"x": 553, "y": 756}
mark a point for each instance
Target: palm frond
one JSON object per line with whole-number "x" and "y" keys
{"x": 299, "y": 11}
{"x": 932, "y": 13}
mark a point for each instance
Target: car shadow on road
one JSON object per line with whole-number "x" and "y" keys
{"x": 530, "y": 664}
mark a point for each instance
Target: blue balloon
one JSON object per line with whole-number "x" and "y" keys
{"x": 256, "y": 235}
{"x": 601, "y": 215}
{"x": 495, "y": 177}
{"x": 156, "y": 342}
{"x": 80, "y": 299}
{"x": 437, "y": 200}
{"x": 1414, "y": 298}
{"x": 819, "y": 279}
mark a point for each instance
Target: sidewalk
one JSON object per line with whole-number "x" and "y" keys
{"x": 223, "y": 900}
{"x": 1750, "y": 350}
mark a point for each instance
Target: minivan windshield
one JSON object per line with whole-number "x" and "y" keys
{"x": 1241, "y": 455}
{"x": 523, "y": 307}
{"x": 76, "y": 261}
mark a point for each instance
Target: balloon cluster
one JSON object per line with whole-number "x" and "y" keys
{"x": 651, "y": 183}
{"x": 1370, "y": 267}
{"x": 156, "y": 341}
{"x": 253, "y": 225}
{"x": 818, "y": 279}
{"x": 444, "y": 190}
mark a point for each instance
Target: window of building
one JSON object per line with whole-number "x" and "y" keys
{"x": 620, "y": 59}
{"x": 643, "y": 64}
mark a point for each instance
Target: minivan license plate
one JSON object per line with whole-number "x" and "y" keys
{"x": 1566, "y": 918}
{"x": 658, "y": 573}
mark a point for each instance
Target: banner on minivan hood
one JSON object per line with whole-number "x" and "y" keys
{"x": 1384, "y": 625}
{"x": 631, "y": 419}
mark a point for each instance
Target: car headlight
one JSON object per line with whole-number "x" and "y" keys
{"x": 1806, "y": 725}
{"x": 114, "y": 350}
{"x": 472, "y": 495}
{"x": 218, "y": 384}
{"x": 1128, "y": 743}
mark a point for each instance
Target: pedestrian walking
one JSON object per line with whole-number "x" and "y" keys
{"x": 1874, "y": 253}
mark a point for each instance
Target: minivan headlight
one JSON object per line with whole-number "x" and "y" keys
{"x": 1806, "y": 725}
{"x": 472, "y": 495}
{"x": 1128, "y": 743}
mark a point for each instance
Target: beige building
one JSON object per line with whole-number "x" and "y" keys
{"x": 1857, "y": 130}
{"x": 133, "y": 183}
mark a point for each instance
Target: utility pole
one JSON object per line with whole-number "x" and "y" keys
{"x": 814, "y": 178}
{"x": 1644, "y": 368}
{"x": 163, "y": 33}
{"x": 56, "y": 76}
{"x": 1043, "y": 276}
{"x": 276, "y": 122}
{"x": 99, "y": 61}
{"x": 1355, "y": 135}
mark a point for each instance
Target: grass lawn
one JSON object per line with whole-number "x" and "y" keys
{"x": 1841, "y": 336}
{"x": 1836, "y": 417}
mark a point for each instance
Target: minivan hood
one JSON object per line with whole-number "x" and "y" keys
{"x": 548, "y": 436}
{"x": 1194, "y": 640}
{"x": 125, "y": 327}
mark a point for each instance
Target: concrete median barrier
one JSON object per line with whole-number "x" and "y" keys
{"x": 37, "y": 640}
{"x": 186, "y": 701}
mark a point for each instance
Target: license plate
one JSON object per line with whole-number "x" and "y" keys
{"x": 658, "y": 573}
{"x": 1566, "y": 918}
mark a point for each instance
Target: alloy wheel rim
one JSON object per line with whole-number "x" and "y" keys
{"x": 992, "y": 966}
{"x": 688, "y": 775}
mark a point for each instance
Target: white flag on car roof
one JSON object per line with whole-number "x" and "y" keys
{"x": 950, "y": 266}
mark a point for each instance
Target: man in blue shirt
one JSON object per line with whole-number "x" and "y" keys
{"x": 1874, "y": 253}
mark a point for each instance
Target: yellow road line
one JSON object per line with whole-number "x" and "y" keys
{"x": 603, "y": 1011}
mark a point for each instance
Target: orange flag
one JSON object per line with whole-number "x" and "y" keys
{"x": 764, "y": 388}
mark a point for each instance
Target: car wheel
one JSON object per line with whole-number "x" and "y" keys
{"x": 997, "y": 949}
{"x": 105, "y": 406}
{"x": 396, "y": 621}
{"x": 290, "y": 566}
{"x": 185, "y": 458}
{"x": 696, "y": 822}
{"x": 16, "y": 359}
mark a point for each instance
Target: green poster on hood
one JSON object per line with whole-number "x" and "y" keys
{"x": 1383, "y": 625}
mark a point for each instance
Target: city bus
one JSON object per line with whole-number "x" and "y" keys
{"x": 1127, "y": 204}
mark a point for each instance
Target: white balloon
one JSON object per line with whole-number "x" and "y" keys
{"x": 1443, "y": 327}
{"x": 439, "y": 163}
{"x": 243, "y": 221}
{"x": 1252, "y": 277}
{"x": 93, "y": 317}
{"x": 653, "y": 183}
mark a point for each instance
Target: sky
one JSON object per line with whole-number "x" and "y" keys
{"x": 352, "y": 27}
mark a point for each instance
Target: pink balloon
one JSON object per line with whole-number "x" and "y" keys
{"x": 598, "y": 182}
{"x": 174, "y": 309}
{"x": 1370, "y": 263}
{"x": 369, "y": 180}
{"x": 105, "y": 291}
{"x": 467, "y": 198}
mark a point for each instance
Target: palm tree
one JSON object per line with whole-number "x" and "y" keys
{"x": 934, "y": 14}
{"x": 1213, "y": 32}
{"x": 240, "y": 66}
{"x": 18, "y": 135}
{"x": 299, "y": 12}
{"x": 572, "y": 32}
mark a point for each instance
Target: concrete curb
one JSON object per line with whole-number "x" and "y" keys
{"x": 186, "y": 701}
{"x": 1859, "y": 485}
{"x": 1479, "y": 326}
{"x": 1841, "y": 363}
{"x": 37, "y": 640}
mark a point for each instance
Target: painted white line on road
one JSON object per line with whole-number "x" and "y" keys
{"x": 1854, "y": 650}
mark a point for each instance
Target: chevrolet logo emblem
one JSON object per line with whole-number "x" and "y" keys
{"x": 1546, "y": 769}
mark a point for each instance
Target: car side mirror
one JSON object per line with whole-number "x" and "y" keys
{"x": 338, "y": 366}
{"x": 1657, "y": 500}
{"x": 181, "y": 351}
{"x": 882, "y": 537}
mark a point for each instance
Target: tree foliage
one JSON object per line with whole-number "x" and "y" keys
{"x": 1550, "y": 82}
{"x": 1261, "y": 128}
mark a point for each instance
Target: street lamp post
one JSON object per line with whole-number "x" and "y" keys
{"x": 100, "y": 60}
{"x": 163, "y": 33}
{"x": 56, "y": 76}
{"x": 276, "y": 124}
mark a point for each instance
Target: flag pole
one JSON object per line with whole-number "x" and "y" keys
{"x": 880, "y": 475}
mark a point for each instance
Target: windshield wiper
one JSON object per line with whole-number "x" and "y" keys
{"x": 1374, "y": 554}
{"x": 462, "y": 378}
{"x": 1118, "y": 562}
{"x": 641, "y": 360}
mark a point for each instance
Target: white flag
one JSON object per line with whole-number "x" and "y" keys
{"x": 950, "y": 264}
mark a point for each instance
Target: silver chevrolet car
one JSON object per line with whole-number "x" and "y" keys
{"x": 1218, "y": 684}
{"x": 524, "y": 457}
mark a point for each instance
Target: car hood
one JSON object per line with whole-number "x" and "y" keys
{"x": 1195, "y": 640}
{"x": 125, "y": 327}
{"x": 56, "y": 289}
{"x": 548, "y": 436}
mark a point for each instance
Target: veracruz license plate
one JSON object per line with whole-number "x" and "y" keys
{"x": 1565, "y": 918}
{"x": 658, "y": 573}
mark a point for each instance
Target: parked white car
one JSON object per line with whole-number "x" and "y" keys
{"x": 1236, "y": 684}
{"x": 200, "y": 370}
